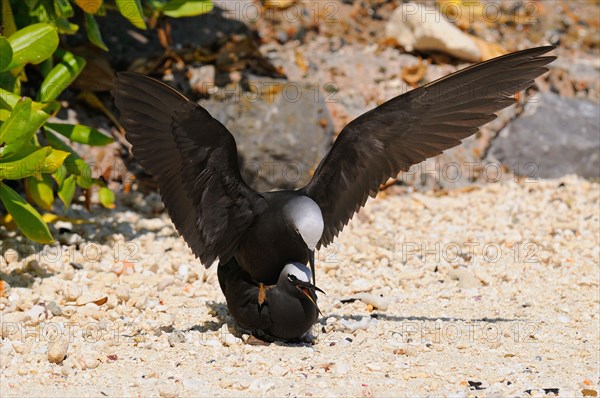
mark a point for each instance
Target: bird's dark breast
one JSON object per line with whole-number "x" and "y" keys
{"x": 271, "y": 243}
{"x": 264, "y": 259}
{"x": 292, "y": 320}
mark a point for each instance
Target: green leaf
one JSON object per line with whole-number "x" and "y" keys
{"x": 8, "y": 19}
{"x": 46, "y": 66}
{"x": 26, "y": 217}
{"x": 41, "y": 112}
{"x": 10, "y": 82}
{"x": 82, "y": 134}
{"x": 26, "y": 166}
{"x": 85, "y": 180}
{"x": 73, "y": 164}
{"x": 61, "y": 76}
{"x": 57, "y": 143}
{"x": 54, "y": 161}
{"x": 40, "y": 191}
{"x": 6, "y": 53}
{"x": 65, "y": 27}
{"x": 8, "y": 100}
{"x": 67, "y": 190}
{"x": 93, "y": 31}
{"x": 15, "y": 128}
{"x": 60, "y": 174}
{"x": 132, "y": 10}
{"x": 187, "y": 8}
{"x": 106, "y": 198}
{"x": 18, "y": 135}
{"x": 4, "y": 114}
{"x": 33, "y": 44}
{"x": 63, "y": 8}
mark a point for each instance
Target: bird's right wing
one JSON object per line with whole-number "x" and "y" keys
{"x": 412, "y": 127}
{"x": 193, "y": 158}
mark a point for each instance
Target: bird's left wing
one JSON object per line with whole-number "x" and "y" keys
{"x": 193, "y": 158}
{"x": 413, "y": 127}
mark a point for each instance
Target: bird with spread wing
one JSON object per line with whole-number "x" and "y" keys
{"x": 193, "y": 158}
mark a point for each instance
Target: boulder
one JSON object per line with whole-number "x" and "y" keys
{"x": 282, "y": 130}
{"x": 421, "y": 28}
{"x": 555, "y": 136}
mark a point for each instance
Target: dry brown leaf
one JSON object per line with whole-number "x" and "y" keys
{"x": 89, "y": 6}
{"x": 301, "y": 61}
{"x": 98, "y": 302}
{"x": 97, "y": 75}
{"x": 327, "y": 366}
{"x": 413, "y": 74}
{"x": 280, "y": 4}
{"x": 101, "y": 301}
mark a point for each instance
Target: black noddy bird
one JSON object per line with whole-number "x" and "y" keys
{"x": 285, "y": 311}
{"x": 193, "y": 158}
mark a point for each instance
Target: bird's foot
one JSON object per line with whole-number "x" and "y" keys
{"x": 256, "y": 339}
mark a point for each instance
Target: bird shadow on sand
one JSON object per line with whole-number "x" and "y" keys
{"x": 395, "y": 318}
{"x": 26, "y": 276}
{"x": 222, "y": 317}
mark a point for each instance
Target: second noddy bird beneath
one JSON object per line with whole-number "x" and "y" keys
{"x": 193, "y": 158}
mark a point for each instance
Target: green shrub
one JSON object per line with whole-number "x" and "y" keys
{"x": 45, "y": 164}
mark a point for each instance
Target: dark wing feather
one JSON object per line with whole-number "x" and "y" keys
{"x": 412, "y": 127}
{"x": 193, "y": 158}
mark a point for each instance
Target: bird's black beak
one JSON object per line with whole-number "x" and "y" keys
{"x": 308, "y": 289}
{"x": 311, "y": 261}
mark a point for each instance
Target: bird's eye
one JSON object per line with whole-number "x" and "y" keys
{"x": 292, "y": 278}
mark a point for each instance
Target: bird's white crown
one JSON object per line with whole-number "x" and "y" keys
{"x": 306, "y": 216}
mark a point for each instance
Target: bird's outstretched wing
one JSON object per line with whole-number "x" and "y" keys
{"x": 413, "y": 127}
{"x": 193, "y": 158}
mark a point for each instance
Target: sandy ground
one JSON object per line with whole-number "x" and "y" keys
{"x": 486, "y": 291}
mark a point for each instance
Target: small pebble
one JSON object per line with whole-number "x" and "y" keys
{"x": 177, "y": 337}
{"x": 165, "y": 283}
{"x": 36, "y": 314}
{"x": 54, "y": 308}
{"x": 466, "y": 279}
{"x": 21, "y": 347}
{"x": 122, "y": 292}
{"x": 374, "y": 367}
{"x": 352, "y": 325}
{"x": 168, "y": 390}
{"x": 71, "y": 292}
{"x": 57, "y": 349}
{"x": 361, "y": 285}
{"x": 90, "y": 361}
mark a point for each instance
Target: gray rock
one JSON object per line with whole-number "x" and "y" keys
{"x": 553, "y": 137}
{"x": 280, "y": 135}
